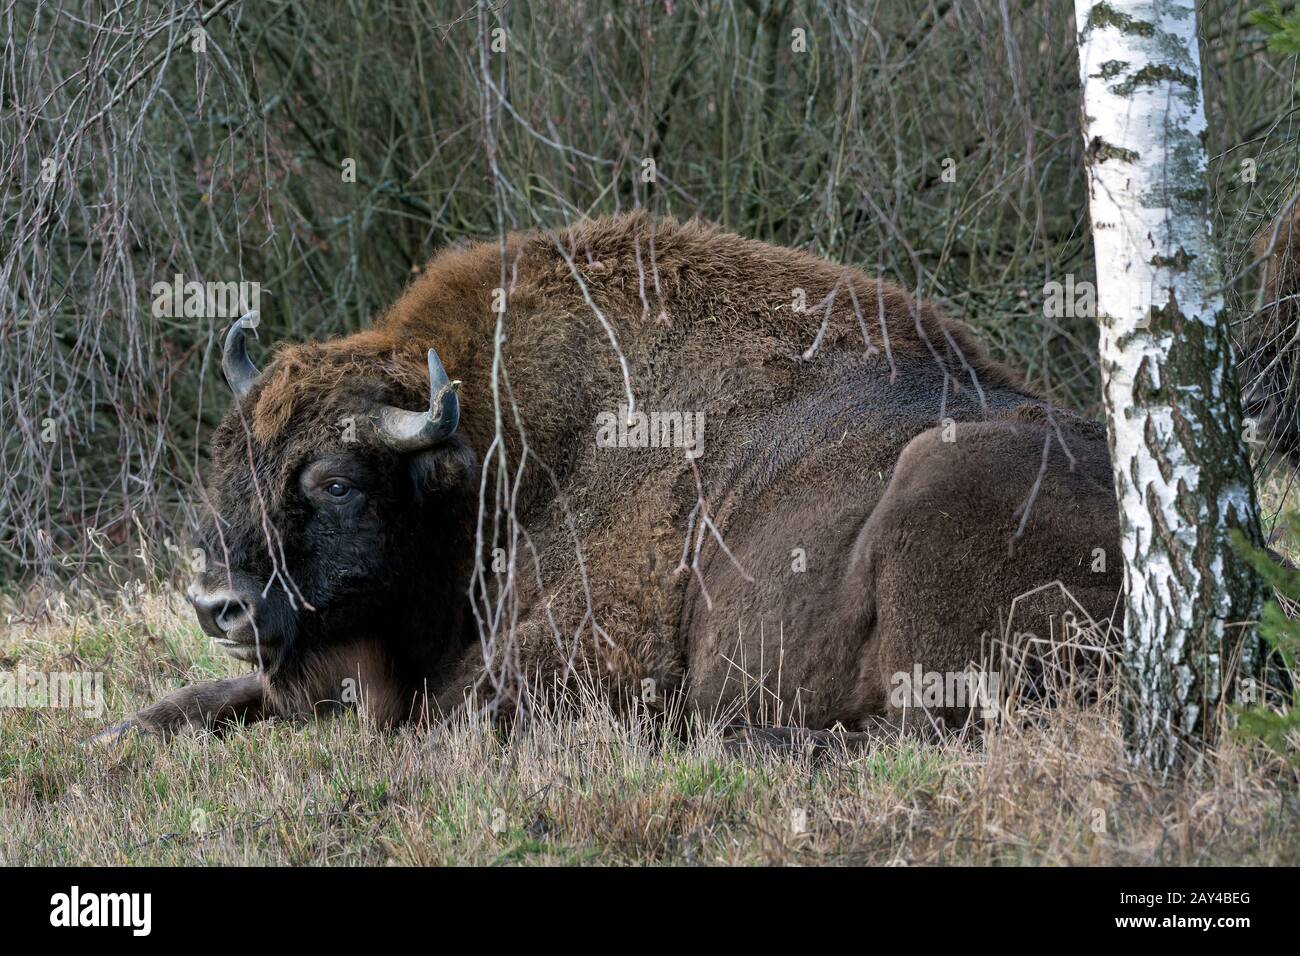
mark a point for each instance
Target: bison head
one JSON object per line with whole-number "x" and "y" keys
{"x": 334, "y": 514}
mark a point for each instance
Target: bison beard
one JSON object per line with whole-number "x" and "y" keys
{"x": 884, "y": 492}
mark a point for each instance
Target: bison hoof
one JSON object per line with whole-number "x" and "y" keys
{"x": 112, "y": 735}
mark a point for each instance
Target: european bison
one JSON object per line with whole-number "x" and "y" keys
{"x": 866, "y": 497}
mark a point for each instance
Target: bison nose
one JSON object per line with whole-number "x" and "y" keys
{"x": 219, "y": 612}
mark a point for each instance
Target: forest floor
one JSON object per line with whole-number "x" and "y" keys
{"x": 585, "y": 788}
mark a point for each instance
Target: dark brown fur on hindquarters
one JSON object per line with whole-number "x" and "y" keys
{"x": 867, "y": 466}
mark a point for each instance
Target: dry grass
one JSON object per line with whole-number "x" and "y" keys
{"x": 583, "y": 787}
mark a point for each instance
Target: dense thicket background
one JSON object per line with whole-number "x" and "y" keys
{"x": 128, "y": 157}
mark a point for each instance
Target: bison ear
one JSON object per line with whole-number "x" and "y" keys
{"x": 449, "y": 465}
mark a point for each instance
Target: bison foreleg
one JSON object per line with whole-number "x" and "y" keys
{"x": 203, "y": 706}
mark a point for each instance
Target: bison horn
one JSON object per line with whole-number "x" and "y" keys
{"x": 404, "y": 430}
{"x": 241, "y": 373}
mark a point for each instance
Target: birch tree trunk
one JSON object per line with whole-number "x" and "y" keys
{"x": 1181, "y": 465}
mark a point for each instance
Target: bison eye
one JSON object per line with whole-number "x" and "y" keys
{"x": 338, "y": 489}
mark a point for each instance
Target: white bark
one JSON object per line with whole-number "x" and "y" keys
{"x": 1181, "y": 468}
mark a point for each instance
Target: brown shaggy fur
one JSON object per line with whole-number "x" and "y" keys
{"x": 1268, "y": 344}
{"x": 924, "y": 485}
